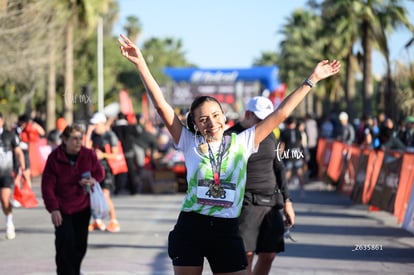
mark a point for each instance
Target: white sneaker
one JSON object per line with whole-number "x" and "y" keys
{"x": 10, "y": 232}
{"x": 15, "y": 203}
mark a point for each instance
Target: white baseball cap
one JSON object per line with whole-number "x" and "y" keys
{"x": 98, "y": 118}
{"x": 261, "y": 106}
{"x": 343, "y": 116}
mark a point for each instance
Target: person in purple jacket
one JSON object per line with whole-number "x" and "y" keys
{"x": 70, "y": 169}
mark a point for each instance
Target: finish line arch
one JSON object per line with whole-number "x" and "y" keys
{"x": 232, "y": 86}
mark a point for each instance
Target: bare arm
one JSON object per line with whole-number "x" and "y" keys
{"x": 88, "y": 135}
{"x": 20, "y": 157}
{"x": 39, "y": 129}
{"x": 322, "y": 70}
{"x": 131, "y": 52}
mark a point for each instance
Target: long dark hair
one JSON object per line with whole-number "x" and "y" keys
{"x": 196, "y": 103}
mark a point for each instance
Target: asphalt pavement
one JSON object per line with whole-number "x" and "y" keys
{"x": 333, "y": 236}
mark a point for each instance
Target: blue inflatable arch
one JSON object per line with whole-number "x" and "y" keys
{"x": 267, "y": 75}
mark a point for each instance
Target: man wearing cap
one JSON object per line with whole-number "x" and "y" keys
{"x": 99, "y": 135}
{"x": 261, "y": 226}
{"x": 9, "y": 144}
{"x": 346, "y": 132}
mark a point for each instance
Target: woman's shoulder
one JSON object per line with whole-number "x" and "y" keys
{"x": 111, "y": 137}
{"x": 245, "y": 133}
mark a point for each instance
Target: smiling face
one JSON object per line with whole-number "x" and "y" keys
{"x": 210, "y": 120}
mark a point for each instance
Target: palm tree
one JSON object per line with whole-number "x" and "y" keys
{"x": 86, "y": 14}
{"x": 299, "y": 52}
{"x": 110, "y": 17}
{"x": 23, "y": 35}
{"x": 55, "y": 28}
{"x": 404, "y": 79}
{"x": 267, "y": 58}
{"x": 390, "y": 18}
{"x": 368, "y": 22}
{"x": 338, "y": 18}
{"x": 168, "y": 52}
{"x": 133, "y": 28}
{"x": 374, "y": 14}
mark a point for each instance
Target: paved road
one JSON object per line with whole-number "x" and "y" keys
{"x": 328, "y": 229}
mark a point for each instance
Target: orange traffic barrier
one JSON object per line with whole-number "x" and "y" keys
{"x": 383, "y": 195}
{"x": 38, "y": 153}
{"x": 323, "y": 155}
{"x": 361, "y": 174}
{"x": 405, "y": 185}
{"x": 320, "y": 150}
{"x": 384, "y": 180}
{"x": 125, "y": 103}
{"x": 336, "y": 161}
{"x": 373, "y": 170}
{"x": 348, "y": 177}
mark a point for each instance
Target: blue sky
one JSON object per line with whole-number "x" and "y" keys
{"x": 230, "y": 33}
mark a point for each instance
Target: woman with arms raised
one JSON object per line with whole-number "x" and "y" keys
{"x": 207, "y": 225}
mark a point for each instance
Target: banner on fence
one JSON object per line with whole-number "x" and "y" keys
{"x": 405, "y": 185}
{"x": 373, "y": 170}
{"x": 386, "y": 187}
{"x": 361, "y": 175}
{"x": 409, "y": 214}
{"x": 348, "y": 176}
{"x": 336, "y": 161}
{"x": 323, "y": 155}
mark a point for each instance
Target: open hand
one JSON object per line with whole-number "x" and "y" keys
{"x": 129, "y": 49}
{"x": 325, "y": 69}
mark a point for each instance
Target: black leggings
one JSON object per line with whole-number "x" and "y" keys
{"x": 71, "y": 241}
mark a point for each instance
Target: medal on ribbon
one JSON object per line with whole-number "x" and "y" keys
{"x": 215, "y": 189}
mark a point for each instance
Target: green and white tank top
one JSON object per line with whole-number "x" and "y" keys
{"x": 238, "y": 148}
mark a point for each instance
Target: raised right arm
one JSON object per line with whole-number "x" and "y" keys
{"x": 131, "y": 52}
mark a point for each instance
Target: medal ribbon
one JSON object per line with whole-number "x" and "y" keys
{"x": 215, "y": 166}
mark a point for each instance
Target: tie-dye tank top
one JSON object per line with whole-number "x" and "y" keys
{"x": 233, "y": 170}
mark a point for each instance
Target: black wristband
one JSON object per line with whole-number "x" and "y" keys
{"x": 309, "y": 83}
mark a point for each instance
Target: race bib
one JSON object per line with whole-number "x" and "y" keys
{"x": 222, "y": 194}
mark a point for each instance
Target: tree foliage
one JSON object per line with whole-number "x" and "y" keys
{"x": 347, "y": 30}
{"x": 25, "y": 26}
{"x": 34, "y": 71}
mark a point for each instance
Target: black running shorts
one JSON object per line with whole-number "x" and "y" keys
{"x": 261, "y": 228}
{"x": 197, "y": 236}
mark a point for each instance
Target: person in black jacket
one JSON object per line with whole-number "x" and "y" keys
{"x": 127, "y": 133}
{"x": 346, "y": 133}
{"x": 9, "y": 146}
{"x": 292, "y": 152}
{"x": 98, "y": 136}
{"x": 262, "y": 226}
